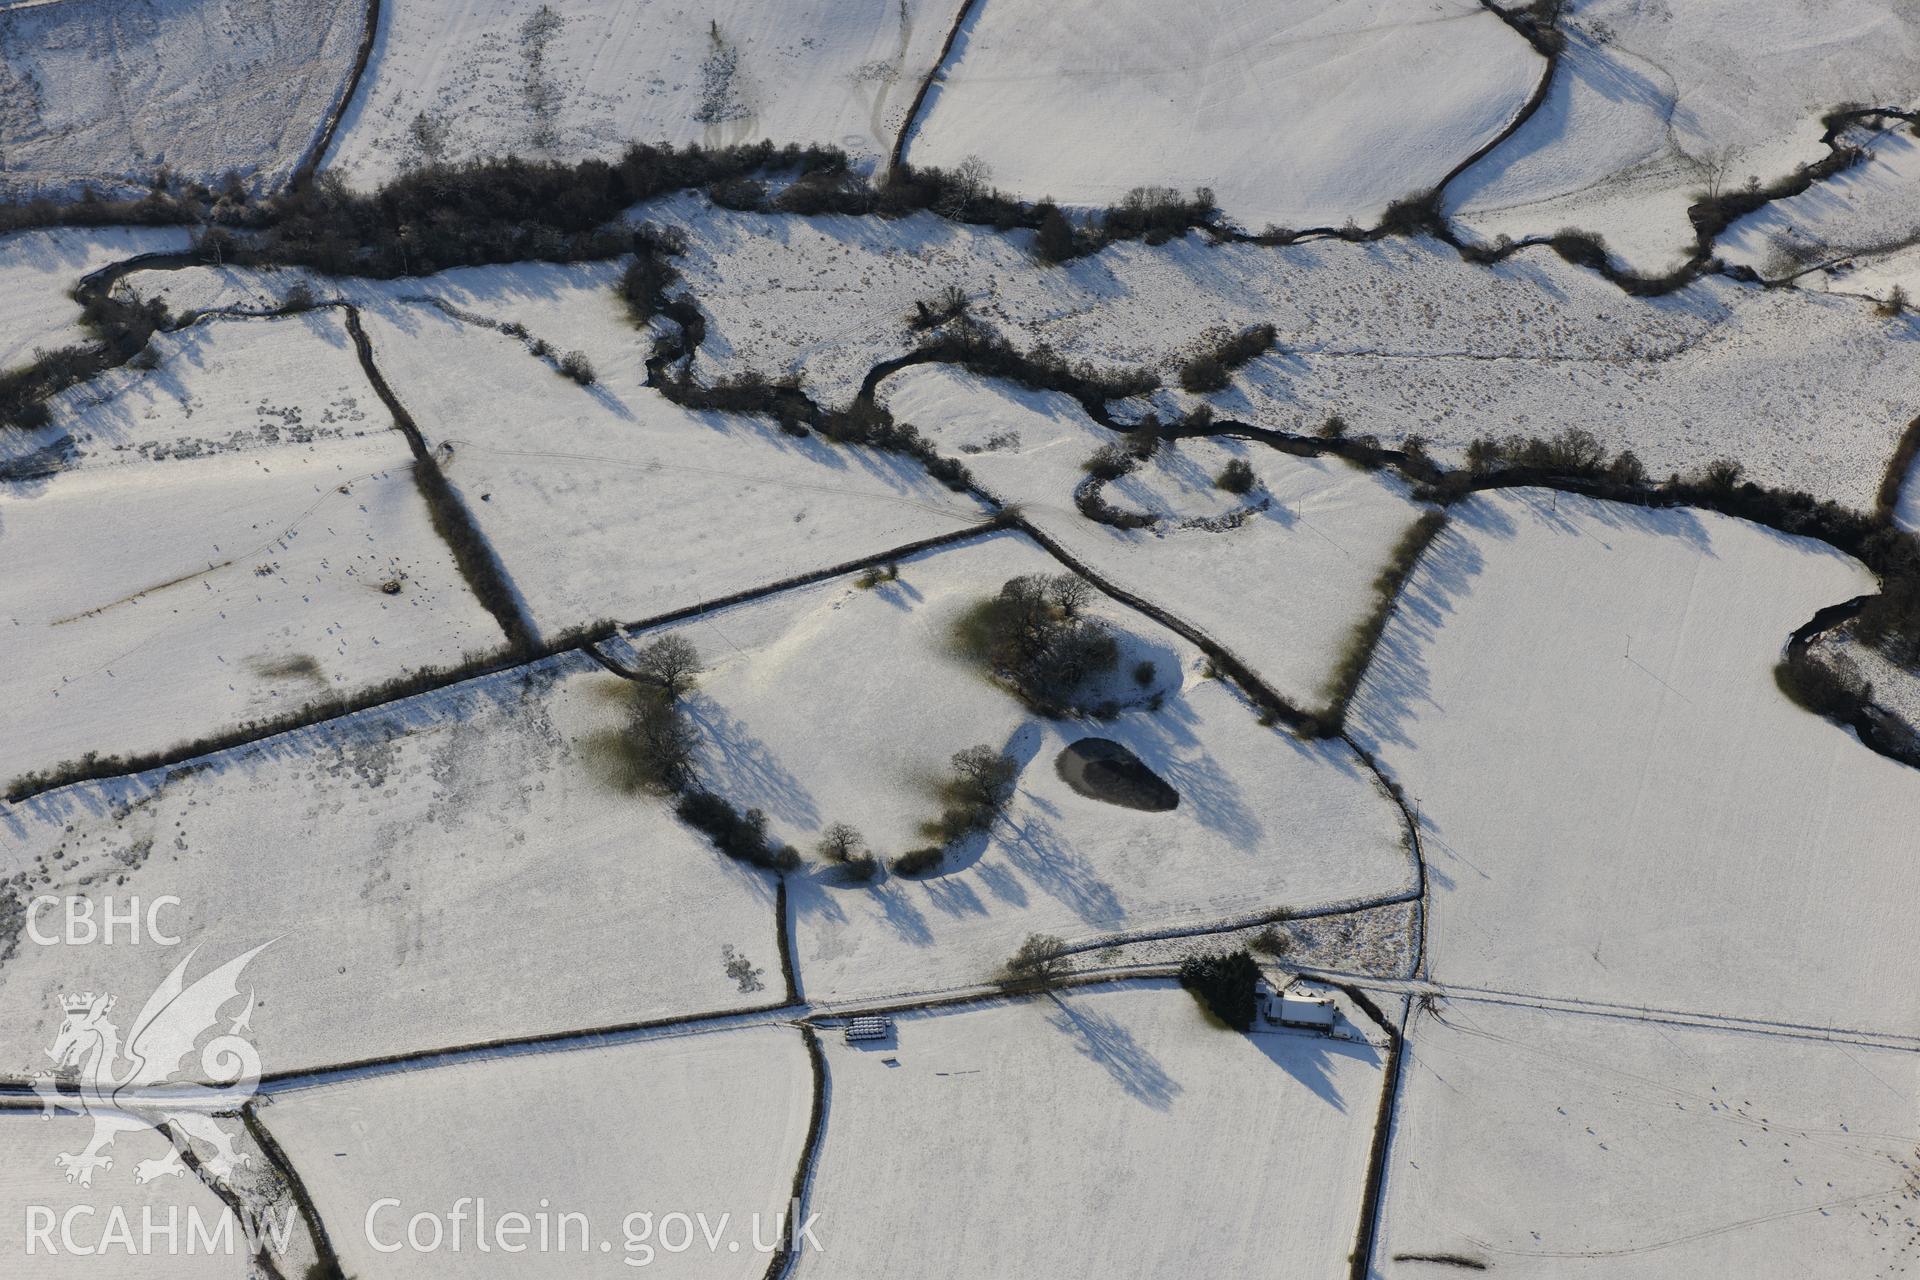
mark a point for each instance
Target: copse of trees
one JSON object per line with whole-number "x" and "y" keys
{"x": 167, "y": 202}
{"x": 662, "y": 742}
{"x": 495, "y": 210}
{"x": 1823, "y": 689}
{"x": 646, "y": 280}
{"x": 1236, "y": 477}
{"x": 672, "y": 663}
{"x": 741, "y": 836}
{"x": 120, "y": 327}
{"x": 973, "y": 795}
{"x": 663, "y": 752}
{"x": 1221, "y": 353}
{"x": 1035, "y": 635}
{"x": 1224, "y": 984}
{"x": 980, "y": 350}
{"x": 1890, "y": 621}
{"x": 1157, "y": 214}
{"x": 982, "y": 781}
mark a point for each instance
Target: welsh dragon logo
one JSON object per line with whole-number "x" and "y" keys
{"x": 133, "y": 1086}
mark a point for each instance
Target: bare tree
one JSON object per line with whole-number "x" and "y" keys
{"x": 841, "y": 843}
{"x": 430, "y": 135}
{"x": 1040, "y": 963}
{"x": 972, "y": 181}
{"x": 983, "y": 778}
{"x": 663, "y": 744}
{"x": 1069, "y": 593}
{"x": 670, "y": 662}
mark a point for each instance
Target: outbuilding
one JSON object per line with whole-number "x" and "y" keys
{"x": 1295, "y": 1007}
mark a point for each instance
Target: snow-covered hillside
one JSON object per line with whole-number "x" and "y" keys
{"x": 1657, "y": 104}
{"x": 1297, "y": 113}
{"x": 107, "y": 93}
{"x": 984, "y": 1105}
{"x": 1264, "y": 821}
{"x": 1624, "y": 808}
{"x": 386, "y": 855}
{"x": 582, "y": 78}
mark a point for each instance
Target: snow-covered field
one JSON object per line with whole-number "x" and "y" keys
{"x": 1804, "y": 391}
{"x": 1277, "y": 575}
{"x": 1655, "y": 104}
{"x": 1860, "y": 211}
{"x": 284, "y": 554}
{"x": 260, "y": 586}
{"x": 1620, "y": 805}
{"x": 582, "y": 78}
{"x": 35, "y": 1198}
{"x": 1265, "y": 820}
{"x": 829, "y": 297}
{"x": 1549, "y": 1144}
{"x": 38, "y": 270}
{"x": 604, "y": 501}
{"x": 1300, "y": 113}
{"x": 609, "y": 501}
{"x": 710, "y": 1124}
{"x": 225, "y": 386}
{"x": 459, "y": 867}
{"x": 1651, "y": 957}
{"x": 1397, "y": 338}
{"x": 104, "y": 92}
{"x": 1108, "y": 1132}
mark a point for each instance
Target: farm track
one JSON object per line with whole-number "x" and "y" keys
{"x": 18, "y": 1095}
{"x": 1418, "y": 988}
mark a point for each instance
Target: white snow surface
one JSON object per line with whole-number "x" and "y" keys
{"x": 1300, "y": 113}
{"x": 1398, "y": 338}
{"x": 709, "y": 1124}
{"x": 1166, "y": 1143}
{"x": 1620, "y": 805}
{"x": 225, "y": 386}
{"x": 1656, "y": 102}
{"x": 455, "y": 868}
{"x": 259, "y": 588}
{"x": 218, "y": 550}
{"x": 1552, "y": 1144}
{"x": 605, "y": 501}
{"x": 1278, "y": 575}
{"x": 104, "y": 92}
{"x": 834, "y": 703}
{"x": 610, "y": 501}
{"x": 491, "y": 79}
{"x": 33, "y": 1187}
{"x": 38, "y": 270}
{"x": 1863, "y": 210}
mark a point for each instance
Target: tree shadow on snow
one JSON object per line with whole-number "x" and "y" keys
{"x": 1098, "y": 1036}
{"x": 744, "y": 769}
